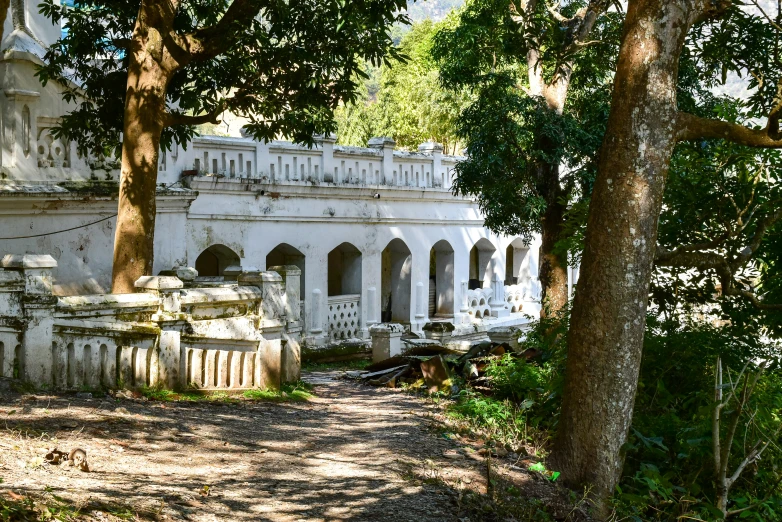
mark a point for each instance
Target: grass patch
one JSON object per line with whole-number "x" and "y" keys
{"x": 293, "y": 392}
{"x": 23, "y": 508}
{"x": 156, "y": 393}
{"x": 354, "y": 364}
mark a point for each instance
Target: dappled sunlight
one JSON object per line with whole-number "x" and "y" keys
{"x": 342, "y": 455}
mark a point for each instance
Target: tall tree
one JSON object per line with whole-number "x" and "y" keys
{"x": 539, "y": 75}
{"x": 645, "y": 124}
{"x": 4, "y": 6}
{"x": 154, "y": 69}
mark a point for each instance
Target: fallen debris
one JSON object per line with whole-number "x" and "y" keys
{"x": 436, "y": 374}
{"x": 426, "y": 364}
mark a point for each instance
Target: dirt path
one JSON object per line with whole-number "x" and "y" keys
{"x": 351, "y": 453}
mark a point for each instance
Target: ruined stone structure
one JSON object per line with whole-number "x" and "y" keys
{"x": 376, "y": 234}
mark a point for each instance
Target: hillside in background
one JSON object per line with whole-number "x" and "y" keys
{"x": 435, "y": 10}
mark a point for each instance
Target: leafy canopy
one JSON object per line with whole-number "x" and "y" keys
{"x": 404, "y": 99}
{"x": 286, "y": 70}
{"x": 510, "y": 132}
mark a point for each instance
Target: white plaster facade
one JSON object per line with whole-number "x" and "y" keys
{"x": 361, "y": 224}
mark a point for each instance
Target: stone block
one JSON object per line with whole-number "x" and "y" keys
{"x": 291, "y": 359}
{"x": 386, "y": 340}
{"x": 155, "y": 284}
{"x": 185, "y": 273}
{"x": 506, "y": 334}
{"x": 270, "y": 363}
{"x": 441, "y": 331}
{"x": 169, "y": 359}
{"x": 381, "y": 142}
{"x": 22, "y": 261}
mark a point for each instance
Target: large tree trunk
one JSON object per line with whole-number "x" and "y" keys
{"x": 553, "y": 268}
{"x": 145, "y": 107}
{"x": 608, "y": 318}
{"x": 4, "y": 5}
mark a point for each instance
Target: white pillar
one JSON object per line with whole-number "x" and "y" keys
{"x": 387, "y": 146}
{"x": 497, "y": 301}
{"x": 316, "y": 317}
{"x": 420, "y": 301}
{"x": 371, "y": 306}
{"x": 465, "y": 302}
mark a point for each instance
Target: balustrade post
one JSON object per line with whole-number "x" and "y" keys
{"x": 316, "y": 319}
{"x": 465, "y": 301}
{"x": 436, "y": 151}
{"x": 170, "y": 372}
{"x": 327, "y": 158}
{"x": 497, "y": 301}
{"x": 371, "y": 304}
{"x": 387, "y": 146}
{"x": 38, "y": 303}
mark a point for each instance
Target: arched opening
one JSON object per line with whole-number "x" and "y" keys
{"x": 284, "y": 254}
{"x": 214, "y": 260}
{"x": 396, "y": 282}
{"x": 516, "y": 262}
{"x": 344, "y": 270}
{"x": 344, "y": 301}
{"x": 517, "y": 275}
{"x": 480, "y": 261}
{"x": 441, "y": 279}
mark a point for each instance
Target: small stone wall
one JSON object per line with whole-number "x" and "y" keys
{"x": 171, "y": 333}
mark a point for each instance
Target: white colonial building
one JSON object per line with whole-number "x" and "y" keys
{"x": 377, "y": 233}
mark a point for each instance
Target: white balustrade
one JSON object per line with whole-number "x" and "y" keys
{"x": 280, "y": 162}
{"x": 208, "y": 338}
{"x": 344, "y": 317}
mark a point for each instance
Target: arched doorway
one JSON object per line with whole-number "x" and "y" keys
{"x": 480, "y": 261}
{"x": 214, "y": 260}
{"x": 441, "y": 279}
{"x": 396, "y": 282}
{"x": 344, "y": 286}
{"x": 284, "y": 254}
{"x": 516, "y": 262}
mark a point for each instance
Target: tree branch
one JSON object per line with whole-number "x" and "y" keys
{"x": 177, "y": 118}
{"x": 208, "y": 42}
{"x": 690, "y": 127}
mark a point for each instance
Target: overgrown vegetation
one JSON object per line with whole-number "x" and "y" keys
{"x": 669, "y": 471}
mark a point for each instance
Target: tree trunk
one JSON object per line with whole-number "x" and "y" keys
{"x": 608, "y": 319}
{"x": 553, "y": 269}
{"x": 4, "y": 5}
{"x": 145, "y": 106}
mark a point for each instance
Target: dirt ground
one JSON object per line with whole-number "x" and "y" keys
{"x": 350, "y": 453}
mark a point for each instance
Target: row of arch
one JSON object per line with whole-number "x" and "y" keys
{"x": 345, "y": 273}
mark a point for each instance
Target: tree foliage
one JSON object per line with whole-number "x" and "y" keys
{"x": 285, "y": 65}
{"x": 403, "y": 99}
{"x": 512, "y": 127}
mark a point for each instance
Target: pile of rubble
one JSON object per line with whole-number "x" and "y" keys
{"x": 425, "y": 363}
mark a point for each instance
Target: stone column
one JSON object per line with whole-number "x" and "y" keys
{"x": 436, "y": 151}
{"x": 327, "y": 159}
{"x": 386, "y": 340}
{"x": 38, "y": 311}
{"x": 497, "y": 301}
{"x": 291, "y": 283}
{"x": 316, "y": 319}
{"x": 262, "y": 162}
{"x": 386, "y": 145}
{"x": 170, "y": 363}
{"x": 371, "y": 306}
{"x": 291, "y": 347}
